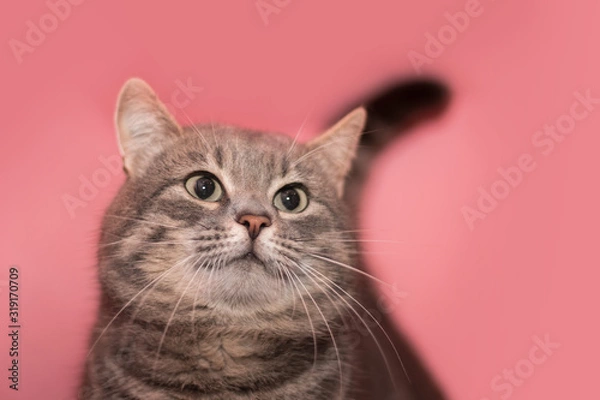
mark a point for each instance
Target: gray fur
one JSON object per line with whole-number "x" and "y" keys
{"x": 184, "y": 315}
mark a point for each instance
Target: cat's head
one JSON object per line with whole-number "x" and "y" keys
{"x": 224, "y": 217}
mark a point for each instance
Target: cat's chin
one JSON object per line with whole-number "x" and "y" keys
{"x": 247, "y": 283}
{"x": 249, "y": 260}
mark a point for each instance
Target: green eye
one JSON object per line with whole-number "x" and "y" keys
{"x": 205, "y": 187}
{"x": 291, "y": 199}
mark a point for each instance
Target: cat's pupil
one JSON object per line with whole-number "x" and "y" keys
{"x": 290, "y": 199}
{"x": 205, "y": 187}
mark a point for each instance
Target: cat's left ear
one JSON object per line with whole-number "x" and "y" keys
{"x": 144, "y": 125}
{"x": 338, "y": 145}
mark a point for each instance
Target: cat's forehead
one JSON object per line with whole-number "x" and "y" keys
{"x": 253, "y": 145}
{"x": 244, "y": 157}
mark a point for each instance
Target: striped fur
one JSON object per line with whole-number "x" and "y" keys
{"x": 183, "y": 314}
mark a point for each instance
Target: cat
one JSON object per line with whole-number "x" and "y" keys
{"x": 229, "y": 263}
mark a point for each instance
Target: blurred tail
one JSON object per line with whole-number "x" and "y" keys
{"x": 401, "y": 106}
{"x": 392, "y": 112}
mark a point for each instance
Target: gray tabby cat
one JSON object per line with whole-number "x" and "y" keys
{"x": 229, "y": 267}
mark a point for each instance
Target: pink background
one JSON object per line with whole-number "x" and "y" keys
{"x": 471, "y": 299}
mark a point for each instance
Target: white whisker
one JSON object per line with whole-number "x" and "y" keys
{"x": 164, "y": 334}
{"x": 144, "y": 221}
{"x": 310, "y": 321}
{"x": 193, "y": 126}
{"x": 335, "y": 346}
{"x": 351, "y": 268}
{"x": 313, "y": 270}
{"x": 155, "y": 280}
{"x": 299, "y": 132}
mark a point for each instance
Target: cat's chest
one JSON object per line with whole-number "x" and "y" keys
{"x": 223, "y": 353}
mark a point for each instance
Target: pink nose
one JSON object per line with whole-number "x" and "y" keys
{"x": 254, "y": 223}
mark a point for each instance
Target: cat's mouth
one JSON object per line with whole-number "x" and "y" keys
{"x": 250, "y": 257}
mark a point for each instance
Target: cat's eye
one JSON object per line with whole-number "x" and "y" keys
{"x": 205, "y": 187}
{"x": 291, "y": 199}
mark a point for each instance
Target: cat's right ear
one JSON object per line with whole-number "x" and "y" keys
{"x": 144, "y": 125}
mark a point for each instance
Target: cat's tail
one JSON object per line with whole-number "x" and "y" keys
{"x": 391, "y": 112}
{"x": 399, "y": 107}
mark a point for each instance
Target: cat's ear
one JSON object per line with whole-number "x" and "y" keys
{"x": 144, "y": 125}
{"x": 338, "y": 145}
